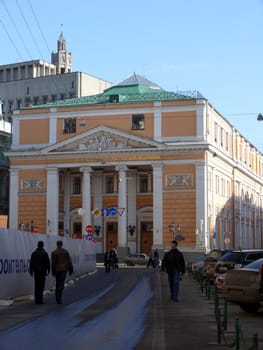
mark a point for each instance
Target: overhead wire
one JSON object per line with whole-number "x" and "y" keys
{"x": 28, "y": 27}
{"x": 11, "y": 40}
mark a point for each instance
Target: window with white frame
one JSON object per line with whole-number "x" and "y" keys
{"x": 137, "y": 122}
{"x": 69, "y": 126}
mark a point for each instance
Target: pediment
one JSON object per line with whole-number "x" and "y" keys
{"x": 103, "y": 139}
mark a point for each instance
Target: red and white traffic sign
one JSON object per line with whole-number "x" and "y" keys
{"x": 89, "y": 228}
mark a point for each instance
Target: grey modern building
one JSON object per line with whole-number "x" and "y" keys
{"x": 37, "y": 82}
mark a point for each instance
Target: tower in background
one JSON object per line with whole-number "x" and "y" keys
{"x": 62, "y": 58}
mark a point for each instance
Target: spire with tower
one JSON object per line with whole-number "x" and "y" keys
{"x": 62, "y": 58}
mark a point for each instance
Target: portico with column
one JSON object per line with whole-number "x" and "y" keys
{"x": 52, "y": 209}
{"x": 122, "y": 219}
{"x": 157, "y": 205}
{"x": 86, "y": 198}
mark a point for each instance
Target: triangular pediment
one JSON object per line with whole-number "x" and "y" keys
{"x": 103, "y": 138}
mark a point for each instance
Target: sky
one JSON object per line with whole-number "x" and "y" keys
{"x": 213, "y": 46}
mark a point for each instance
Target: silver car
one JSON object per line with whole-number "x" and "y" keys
{"x": 136, "y": 259}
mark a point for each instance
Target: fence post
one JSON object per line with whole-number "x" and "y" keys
{"x": 237, "y": 334}
{"x": 225, "y": 315}
{"x": 218, "y": 322}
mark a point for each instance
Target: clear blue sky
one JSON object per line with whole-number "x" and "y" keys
{"x": 214, "y": 46}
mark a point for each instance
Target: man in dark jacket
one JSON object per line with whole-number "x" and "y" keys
{"x": 173, "y": 263}
{"x": 61, "y": 264}
{"x": 40, "y": 268}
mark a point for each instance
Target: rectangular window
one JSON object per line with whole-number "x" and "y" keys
{"x": 35, "y": 100}
{"x": 137, "y": 122}
{"x": 227, "y": 141}
{"x": 45, "y": 99}
{"x": 18, "y": 103}
{"x": 28, "y": 102}
{"x": 10, "y": 106}
{"x": 109, "y": 184}
{"x": 222, "y": 136}
{"x": 143, "y": 183}
{"x": 54, "y": 98}
{"x": 76, "y": 185}
{"x": 217, "y": 184}
{"x": 69, "y": 126}
{"x": 215, "y": 132}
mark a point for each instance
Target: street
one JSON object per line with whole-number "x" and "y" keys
{"x": 128, "y": 308}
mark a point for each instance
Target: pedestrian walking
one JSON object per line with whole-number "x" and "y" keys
{"x": 173, "y": 264}
{"x": 61, "y": 264}
{"x": 108, "y": 260}
{"x": 39, "y": 268}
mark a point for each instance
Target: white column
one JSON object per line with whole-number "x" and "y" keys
{"x": 132, "y": 209}
{"x": 52, "y": 201}
{"x": 122, "y": 203}
{"x": 201, "y": 204}
{"x": 201, "y": 128}
{"x": 53, "y": 127}
{"x": 158, "y": 120}
{"x": 13, "y": 198}
{"x": 97, "y": 190}
{"x": 86, "y": 206}
{"x": 157, "y": 205}
{"x": 67, "y": 202}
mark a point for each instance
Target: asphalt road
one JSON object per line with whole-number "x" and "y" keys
{"x": 128, "y": 308}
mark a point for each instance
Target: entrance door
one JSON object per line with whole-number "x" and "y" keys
{"x": 112, "y": 235}
{"x": 146, "y": 237}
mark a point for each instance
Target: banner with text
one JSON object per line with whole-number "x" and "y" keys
{"x": 16, "y": 248}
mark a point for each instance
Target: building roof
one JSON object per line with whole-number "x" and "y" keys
{"x": 131, "y": 90}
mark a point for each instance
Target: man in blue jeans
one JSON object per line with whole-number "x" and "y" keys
{"x": 173, "y": 263}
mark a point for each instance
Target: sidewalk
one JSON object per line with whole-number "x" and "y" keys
{"x": 187, "y": 324}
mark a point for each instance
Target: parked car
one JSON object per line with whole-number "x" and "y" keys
{"x": 237, "y": 259}
{"x": 136, "y": 259}
{"x": 244, "y": 286}
{"x": 196, "y": 263}
{"x": 210, "y": 263}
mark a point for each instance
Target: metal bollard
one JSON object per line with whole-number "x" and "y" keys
{"x": 218, "y": 322}
{"x": 209, "y": 290}
{"x": 255, "y": 342}
{"x": 225, "y": 315}
{"x": 237, "y": 346}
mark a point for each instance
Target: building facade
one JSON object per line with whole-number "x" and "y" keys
{"x": 5, "y": 144}
{"x": 38, "y": 82}
{"x": 137, "y": 166}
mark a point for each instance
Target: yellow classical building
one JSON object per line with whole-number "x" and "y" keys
{"x": 137, "y": 166}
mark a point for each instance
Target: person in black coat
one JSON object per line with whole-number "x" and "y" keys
{"x": 173, "y": 264}
{"x": 39, "y": 268}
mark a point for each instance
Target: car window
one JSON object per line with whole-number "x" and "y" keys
{"x": 232, "y": 256}
{"x": 254, "y": 256}
{"x": 255, "y": 264}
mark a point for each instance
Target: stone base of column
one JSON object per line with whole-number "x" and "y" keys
{"x": 122, "y": 253}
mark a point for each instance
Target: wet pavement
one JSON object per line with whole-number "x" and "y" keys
{"x": 129, "y": 308}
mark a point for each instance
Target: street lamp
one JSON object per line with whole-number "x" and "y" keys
{"x": 131, "y": 229}
{"x": 97, "y": 230}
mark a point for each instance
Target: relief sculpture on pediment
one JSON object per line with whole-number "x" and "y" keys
{"x": 103, "y": 142}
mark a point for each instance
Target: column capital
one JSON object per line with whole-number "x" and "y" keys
{"x": 52, "y": 169}
{"x": 121, "y": 168}
{"x": 157, "y": 165}
{"x": 86, "y": 169}
{"x": 14, "y": 171}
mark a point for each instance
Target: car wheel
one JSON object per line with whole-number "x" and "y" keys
{"x": 250, "y": 307}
